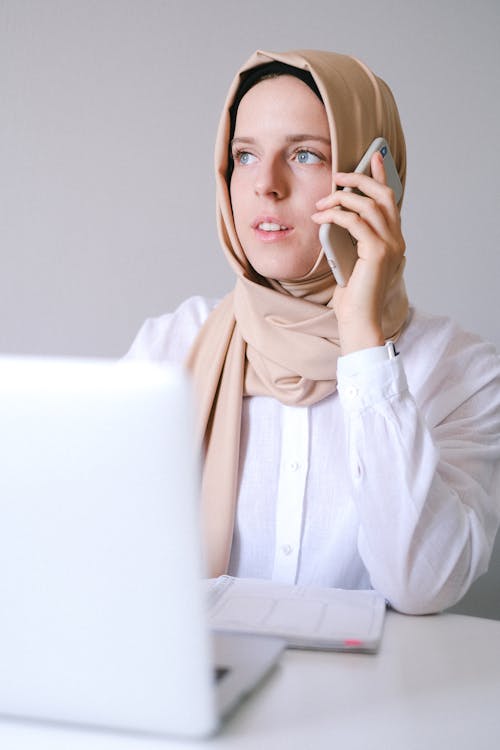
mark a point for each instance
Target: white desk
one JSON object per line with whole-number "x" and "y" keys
{"x": 434, "y": 684}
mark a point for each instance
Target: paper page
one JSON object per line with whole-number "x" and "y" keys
{"x": 298, "y": 613}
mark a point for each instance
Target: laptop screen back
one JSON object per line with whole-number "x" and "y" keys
{"x": 102, "y": 617}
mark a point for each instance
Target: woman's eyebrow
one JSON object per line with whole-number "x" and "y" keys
{"x": 296, "y": 138}
{"x": 242, "y": 140}
{"x": 308, "y": 137}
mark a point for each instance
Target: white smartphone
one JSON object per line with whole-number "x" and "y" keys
{"x": 338, "y": 245}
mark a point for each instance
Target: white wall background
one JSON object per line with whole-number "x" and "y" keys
{"x": 108, "y": 111}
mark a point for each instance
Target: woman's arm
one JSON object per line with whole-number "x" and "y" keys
{"x": 430, "y": 508}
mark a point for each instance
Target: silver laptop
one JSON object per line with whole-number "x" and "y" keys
{"x": 102, "y": 612}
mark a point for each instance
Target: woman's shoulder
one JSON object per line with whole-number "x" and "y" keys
{"x": 169, "y": 337}
{"x": 440, "y": 355}
{"x": 440, "y": 335}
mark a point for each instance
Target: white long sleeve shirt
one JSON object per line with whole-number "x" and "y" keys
{"x": 392, "y": 482}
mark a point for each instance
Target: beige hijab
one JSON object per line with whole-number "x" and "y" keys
{"x": 281, "y": 339}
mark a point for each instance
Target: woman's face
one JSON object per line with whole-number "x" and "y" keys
{"x": 282, "y": 166}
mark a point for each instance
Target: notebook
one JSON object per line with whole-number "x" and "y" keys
{"x": 103, "y": 616}
{"x": 313, "y": 617}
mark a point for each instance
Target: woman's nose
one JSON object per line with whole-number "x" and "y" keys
{"x": 271, "y": 178}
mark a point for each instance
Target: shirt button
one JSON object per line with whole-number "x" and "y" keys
{"x": 294, "y": 465}
{"x": 287, "y": 549}
{"x": 352, "y": 391}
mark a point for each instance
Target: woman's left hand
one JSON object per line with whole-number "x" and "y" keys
{"x": 373, "y": 219}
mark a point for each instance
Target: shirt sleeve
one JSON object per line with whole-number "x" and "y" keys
{"x": 169, "y": 337}
{"x": 424, "y": 468}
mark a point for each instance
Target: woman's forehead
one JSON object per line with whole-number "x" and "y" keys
{"x": 278, "y": 101}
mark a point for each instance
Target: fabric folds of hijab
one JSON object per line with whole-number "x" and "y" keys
{"x": 272, "y": 338}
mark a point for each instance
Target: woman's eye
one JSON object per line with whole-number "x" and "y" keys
{"x": 307, "y": 157}
{"x": 244, "y": 157}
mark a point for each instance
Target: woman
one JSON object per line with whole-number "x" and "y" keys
{"x": 328, "y": 460}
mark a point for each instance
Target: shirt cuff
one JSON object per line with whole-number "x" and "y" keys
{"x": 368, "y": 377}
{"x": 357, "y": 362}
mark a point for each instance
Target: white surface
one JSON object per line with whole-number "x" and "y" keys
{"x": 434, "y": 684}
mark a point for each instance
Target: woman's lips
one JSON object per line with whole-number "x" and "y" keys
{"x": 271, "y": 229}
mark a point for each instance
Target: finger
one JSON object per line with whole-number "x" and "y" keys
{"x": 373, "y": 231}
{"x": 378, "y": 168}
{"x": 365, "y": 207}
{"x": 355, "y": 225}
{"x": 327, "y": 201}
{"x": 371, "y": 187}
